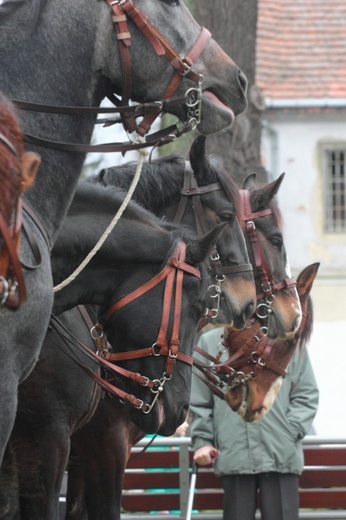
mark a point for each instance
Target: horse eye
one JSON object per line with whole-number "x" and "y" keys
{"x": 226, "y": 217}
{"x": 172, "y": 2}
{"x": 277, "y": 241}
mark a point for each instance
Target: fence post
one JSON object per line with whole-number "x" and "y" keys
{"x": 184, "y": 480}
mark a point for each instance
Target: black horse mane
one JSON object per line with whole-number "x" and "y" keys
{"x": 100, "y": 197}
{"x": 159, "y": 184}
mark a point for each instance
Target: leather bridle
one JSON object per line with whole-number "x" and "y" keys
{"x": 121, "y": 11}
{"x": 223, "y": 376}
{"x": 268, "y": 284}
{"x": 172, "y": 274}
{"x": 12, "y": 286}
{"x": 191, "y": 193}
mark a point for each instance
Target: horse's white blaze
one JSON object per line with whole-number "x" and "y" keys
{"x": 269, "y": 398}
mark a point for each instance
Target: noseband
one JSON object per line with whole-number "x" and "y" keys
{"x": 12, "y": 286}
{"x": 192, "y": 192}
{"x": 172, "y": 274}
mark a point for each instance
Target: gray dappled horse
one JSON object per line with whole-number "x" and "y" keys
{"x": 58, "y": 397}
{"x": 66, "y": 53}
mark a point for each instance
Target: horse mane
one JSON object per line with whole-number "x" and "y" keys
{"x": 111, "y": 197}
{"x": 159, "y": 184}
{"x": 228, "y": 184}
{"x": 10, "y": 162}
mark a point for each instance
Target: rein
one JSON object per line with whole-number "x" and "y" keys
{"x": 172, "y": 274}
{"x": 121, "y": 10}
{"x": 192, "y": 192}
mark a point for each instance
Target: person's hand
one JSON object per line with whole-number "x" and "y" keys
{"x": 205, "y": 455}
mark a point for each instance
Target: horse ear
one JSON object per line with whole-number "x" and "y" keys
{"x": 198, "y": 159}
{"x": 263, "y": 196}
{"x": 199, "y": 249}
{"x": 250, "y": 182}
{"x": 306, "y": 279}
{"x": 30, "y": 163}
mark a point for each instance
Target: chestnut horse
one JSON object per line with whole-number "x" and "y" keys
{"x": 100, "y": 450}
{"x": 17, "y": 174}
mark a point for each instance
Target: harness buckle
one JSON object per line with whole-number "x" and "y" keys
{"x": 155, "y": 352}
{"x": 5, "y": 290}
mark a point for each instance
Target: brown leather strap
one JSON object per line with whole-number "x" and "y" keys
{"x": 190, "y": 58}
{"x": 10, "y": 267}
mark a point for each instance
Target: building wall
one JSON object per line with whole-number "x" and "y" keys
{"x": 292, "y": 143}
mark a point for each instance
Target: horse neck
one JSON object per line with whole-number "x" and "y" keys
{"x": 52, "y": 65}
{"x": 132, "y": 243}
{"x": 159, "y": 188}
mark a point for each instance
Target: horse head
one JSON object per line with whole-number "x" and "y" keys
{"x": 149, "y": 292}
{"x": 278, "y": 301}
{"x": 215, "y": 198}
{"x": 153, "y": 336}
{"x": 199, "y": 195}
{"x": 217, "y": 85}
{"x": 263, "y": 362}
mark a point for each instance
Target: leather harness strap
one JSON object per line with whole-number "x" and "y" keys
{"x": 257, "y": 349}
{"x": 192, "y": 192}
{"x": 149, "y": 111}
{"x": 172, "y": 273}
{"x": 268, "y": 284}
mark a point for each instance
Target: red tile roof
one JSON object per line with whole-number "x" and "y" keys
{"x": 301, "y": 49}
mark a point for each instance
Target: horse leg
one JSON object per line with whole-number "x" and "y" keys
{"x": 9, "y": 496}
{"x": 101, "y": 451}
{"x": 42, "y": 461}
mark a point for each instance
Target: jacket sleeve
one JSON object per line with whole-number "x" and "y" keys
{"x": 201, "y": 408}
{"x": 304, "y": 396}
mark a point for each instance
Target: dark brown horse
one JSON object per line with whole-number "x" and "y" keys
{"x": 59, "y": 395}
{"x": 248, "y": 388}
{"x": 100, "y": 450}
{"x": 86, "y": 473}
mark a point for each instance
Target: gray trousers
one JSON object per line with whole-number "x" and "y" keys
{"x": 278, "y": 496}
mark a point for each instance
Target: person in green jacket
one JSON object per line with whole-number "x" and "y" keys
{"x": 264, "y": 455}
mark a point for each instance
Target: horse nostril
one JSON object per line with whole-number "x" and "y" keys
{"x": 242, "y": 81}
{"x": 248, "y": 312}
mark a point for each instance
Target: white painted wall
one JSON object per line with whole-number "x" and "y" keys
{"x": 290, "y": 144}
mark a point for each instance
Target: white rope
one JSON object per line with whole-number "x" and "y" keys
{"x": 115, "y": 220}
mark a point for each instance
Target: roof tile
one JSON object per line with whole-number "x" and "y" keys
{"x": 301, "y": 49}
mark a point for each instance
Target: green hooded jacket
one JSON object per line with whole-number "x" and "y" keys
{"x": 273, "y": 443}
